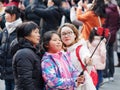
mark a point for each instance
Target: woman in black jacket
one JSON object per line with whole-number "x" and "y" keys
{"x": 51, "y": 15}
{"x": 26, "y": 61}
{"x": 7, "y": 35}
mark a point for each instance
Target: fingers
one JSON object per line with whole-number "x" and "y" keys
{"x": 88, "y": 61}
{"x": 80, "y": 80}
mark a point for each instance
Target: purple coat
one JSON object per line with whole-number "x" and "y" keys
{"x": 112, "y": 21}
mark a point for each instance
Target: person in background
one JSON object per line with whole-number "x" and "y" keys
{"x": 65, "y": 5}
{"x": 11, "y": 3}
{"x": 51, "y": 15}
{"x": 91, "y": 17}
{"x": 30, "y": 15}
{"x": 8, "y": 34}
{"x": 26, "y": 2}
{"x": 2, "y": 12}
{"x": 58, "y": 71}
{"x": 2, "y": 8}
{"x": 118, "y": 37}
{"x": 70, "y": 38}
{"x": 26, "y": 60}
{"x": 99, "y": 57}
{"x": 112, "y": 23}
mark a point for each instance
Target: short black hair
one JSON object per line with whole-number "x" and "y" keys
{"x": 13, "y": 10}
{"x": 25, "y": 29}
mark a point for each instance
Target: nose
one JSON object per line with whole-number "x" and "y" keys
{"x": 58, "y": 41}
{"x": 66, "y": 35}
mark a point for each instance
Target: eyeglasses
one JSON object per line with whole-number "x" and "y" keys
{"x": 67, "y": 33}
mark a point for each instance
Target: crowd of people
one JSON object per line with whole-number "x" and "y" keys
{"x": 39, "y": 39}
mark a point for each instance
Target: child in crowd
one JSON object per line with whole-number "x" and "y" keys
{"x": 58, "y": 71}
{"x": 99, "y": 57}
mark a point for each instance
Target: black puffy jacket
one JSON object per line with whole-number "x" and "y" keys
{"x": 6, "y": 71}
{"x": 26, "y": 67}
{"x": 30, "y": 15}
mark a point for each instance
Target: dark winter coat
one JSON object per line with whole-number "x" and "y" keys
{"x": 112, "y": 21}
{"x": 26, "y": 67}
{"x": 6, "y": 71}
{"x": 31, "y": 16}
{"x": 51, "y": 16}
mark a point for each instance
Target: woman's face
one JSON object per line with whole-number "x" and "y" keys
{"x": 9, "y": 17}
{"x": 55, "y": 44}
{"x": 67, "y": 36}
{"x": 34, "y": 37}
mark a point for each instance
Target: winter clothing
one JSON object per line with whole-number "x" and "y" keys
{"x": 7, "y": 35}
{"x": 99, "y": 57}
{"x": 89, "y": 20}
{"x": 31, "y": 16}
{"x": 26, "y": 67}
{"x": 84, "y": 52}
{"x": 112, "y": 22}
{"x": 6, "y": 62}
{"x": 51, "y": 17}
{"x": 58, "y": 71}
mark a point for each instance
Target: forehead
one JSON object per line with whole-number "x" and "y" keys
{"x": 54, "y": 36}
{"x": 66, "y": 29}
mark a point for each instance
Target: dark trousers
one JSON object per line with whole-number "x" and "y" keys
{"x": 9, "y": 84}
{"x": 109, "y": 70}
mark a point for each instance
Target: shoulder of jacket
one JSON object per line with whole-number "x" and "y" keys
{"x": 26, "y": 50}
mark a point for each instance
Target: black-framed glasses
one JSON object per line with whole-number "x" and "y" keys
{"x": 67, "y": 33}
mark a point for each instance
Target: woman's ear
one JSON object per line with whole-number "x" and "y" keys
{"x": 26, "y": 37}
